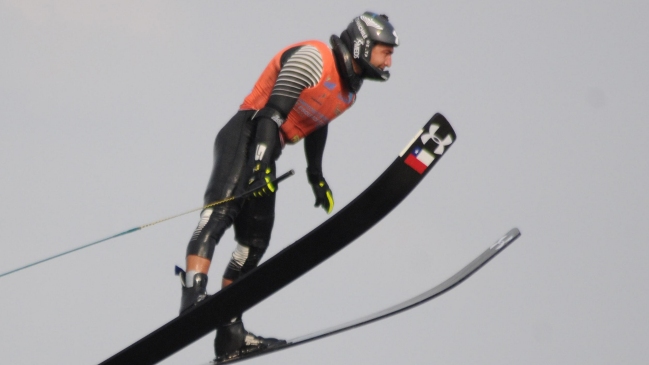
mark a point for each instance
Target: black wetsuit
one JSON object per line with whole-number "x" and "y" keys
{"x": 233, "y": 153}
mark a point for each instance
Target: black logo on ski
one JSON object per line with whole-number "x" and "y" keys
{"x": 436, "y": 291}
{"x": 383, "y": 195}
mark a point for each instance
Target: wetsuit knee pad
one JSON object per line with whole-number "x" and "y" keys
{"x": 244, "y": 258}
{"x": 208, "y": 233}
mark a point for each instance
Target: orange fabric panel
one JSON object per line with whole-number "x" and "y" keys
{"x": 316, "y": 106}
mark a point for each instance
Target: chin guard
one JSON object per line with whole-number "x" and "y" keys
{"x": 344, "y": 64}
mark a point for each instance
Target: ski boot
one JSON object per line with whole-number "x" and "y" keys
{"x": 192, "y": 292}
{"x": 233, "y": 341}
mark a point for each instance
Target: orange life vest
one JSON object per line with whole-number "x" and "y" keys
{"x": 316, "y": 106}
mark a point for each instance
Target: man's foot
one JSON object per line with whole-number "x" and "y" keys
{"x": 192, "y": 292}
{"x": 233, "y": 341}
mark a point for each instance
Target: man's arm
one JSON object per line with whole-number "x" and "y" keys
{"x": 302, "y": 67}
{"x": 314, "y": 145}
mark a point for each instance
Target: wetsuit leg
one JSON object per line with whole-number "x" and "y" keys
{"x": 229, "y": 178}
{"x": 252, "y": 229}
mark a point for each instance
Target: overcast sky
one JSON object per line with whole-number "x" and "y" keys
{"x": 109, "y": 110}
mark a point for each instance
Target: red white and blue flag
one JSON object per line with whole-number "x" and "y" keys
{"x": 419, "y": 159}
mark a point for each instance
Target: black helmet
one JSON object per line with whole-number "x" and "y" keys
{"x": 360, "y": 37}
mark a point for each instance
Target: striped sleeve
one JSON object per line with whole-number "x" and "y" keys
{"x": 302, "y": 70}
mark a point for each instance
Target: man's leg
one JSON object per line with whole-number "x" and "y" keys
{"x": 228, "y": 178}
{"x": 252, "y": 228}
{"x": 200, "y": 250}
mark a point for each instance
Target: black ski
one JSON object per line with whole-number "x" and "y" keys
{"x": 436, "y": 291}
{"x": 389, "y": 189}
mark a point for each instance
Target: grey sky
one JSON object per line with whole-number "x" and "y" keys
{"x": 109, "y": 111}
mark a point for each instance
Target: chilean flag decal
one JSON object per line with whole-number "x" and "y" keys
{"x": 419, "y": 159}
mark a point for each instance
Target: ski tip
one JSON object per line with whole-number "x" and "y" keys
{"x": 505, "y": 240}
{"x": 443, "y": 124}
{"x": 438, "y": 117}
{"x": 429, "y": 144}
{"x": 514, "y": 233}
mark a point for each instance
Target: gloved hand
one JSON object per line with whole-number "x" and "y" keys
{"x": 261, "y": 181}
{"x": 323, "y": 195}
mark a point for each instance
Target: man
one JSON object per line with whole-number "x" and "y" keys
{"x": 302, "y": 89}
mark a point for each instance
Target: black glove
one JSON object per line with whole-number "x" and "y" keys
{"x": 261, "y": 181}
{"x": 323, "y": 195}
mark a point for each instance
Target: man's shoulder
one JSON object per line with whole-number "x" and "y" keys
{"x": 321, "y": 46}
{"x": 317, "y": 43}
{"x": 312, "y": 47}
